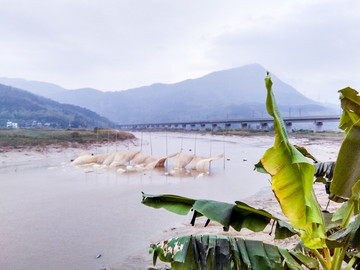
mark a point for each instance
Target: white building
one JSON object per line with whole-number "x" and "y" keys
{"x": 10, "y": 124}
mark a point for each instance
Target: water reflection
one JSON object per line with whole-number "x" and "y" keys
{"x": 63, "y": 218}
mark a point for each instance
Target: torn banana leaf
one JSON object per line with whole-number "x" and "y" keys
{"x": 324, "y": 171}
{"x": 222, "y": 252}
{"x": 238, "y": 215}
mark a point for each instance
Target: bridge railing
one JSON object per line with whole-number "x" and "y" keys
{"x": 264, "y": 123}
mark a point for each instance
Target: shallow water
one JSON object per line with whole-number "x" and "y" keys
{"x": 64, "y": 218}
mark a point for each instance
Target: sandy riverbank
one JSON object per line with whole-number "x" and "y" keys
{"x": 323, "y": 149}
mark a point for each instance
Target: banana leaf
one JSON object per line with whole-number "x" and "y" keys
{"x": 222, "y": 252}
{"x": 305, "y": 153}
{"x": 347, "y": 169}
{"x": 352, "y": 206}
{"x": 176, "y": 204}
{"x": 351, "y": 233}
{"x": 342, "y": 217}
{"x": 238, "y": 215}
{"x": 291, "y": 178}
{"x": 350, "y": 103}
{"x": 324, "y": 171}
{"x": 259, "y": 167}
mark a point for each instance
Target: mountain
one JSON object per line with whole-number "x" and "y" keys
{"x": 39, "y": 88}
{"x": 233, "y": 93}
{"x": 28, "y": 109}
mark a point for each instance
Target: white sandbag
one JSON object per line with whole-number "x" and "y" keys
{"x": 122, "y": 158}
{"x": 181, "y": 160}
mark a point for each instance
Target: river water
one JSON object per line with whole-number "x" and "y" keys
{"x": 56, "y": 216}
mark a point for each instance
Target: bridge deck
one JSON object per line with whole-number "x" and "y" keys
{"x": 319, "y": 118}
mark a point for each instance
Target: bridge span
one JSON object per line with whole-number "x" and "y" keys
{"x": 243, "y": 123}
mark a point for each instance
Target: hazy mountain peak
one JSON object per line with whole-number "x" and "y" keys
{"x": 237, "y": 93}
{"x": 36, "y": 87}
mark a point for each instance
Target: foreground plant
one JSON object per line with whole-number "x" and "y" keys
{"x": 327, "y": 239}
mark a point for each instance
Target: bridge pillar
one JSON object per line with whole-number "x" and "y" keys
{"x": 213, "y": 126}
{"x": 227, "y": 126}
{"x": 244, "y": 125}
{"x": 288, "y": 126}
{"x": 202, "y": 126}
{"x": 264, "y": 126}
{"x": 318, "y": 126}
{"x": 183, "y": 126}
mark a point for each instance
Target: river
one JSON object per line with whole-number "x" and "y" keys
{"x": 56, "y": 216}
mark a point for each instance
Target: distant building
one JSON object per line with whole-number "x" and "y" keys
{"x": 36, "y": 124}
{"x": 10, "y": 124}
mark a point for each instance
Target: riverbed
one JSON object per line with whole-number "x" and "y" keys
{"x": 57, "y": 216}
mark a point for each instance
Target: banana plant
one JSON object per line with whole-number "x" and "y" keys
{"x": 331, "y": 240}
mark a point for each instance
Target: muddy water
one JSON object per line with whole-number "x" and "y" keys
{"x": 55, "y": 216}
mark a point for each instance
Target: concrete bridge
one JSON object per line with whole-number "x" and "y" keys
{"x": 243, "y": 123}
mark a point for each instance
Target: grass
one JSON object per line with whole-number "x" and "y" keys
{"x": 35, "y": 137}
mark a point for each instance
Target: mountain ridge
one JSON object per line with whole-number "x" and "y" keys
{"x": 28, "y": 109}
{"x": 235, "y": 93}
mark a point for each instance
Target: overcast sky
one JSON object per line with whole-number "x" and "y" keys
{"x": 116, "y": 44}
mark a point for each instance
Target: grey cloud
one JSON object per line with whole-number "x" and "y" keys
{"x": 115, "y": 45}
{"x": 320, "y": 45}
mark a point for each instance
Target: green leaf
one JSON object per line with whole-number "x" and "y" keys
{"x": 305, "y": 152}
{"x": 350, "y": 103}
{"x": 329, "y": 223}
{"x": 324, "y": 169}
{"x": 345, "y": 212}
{"x": 238, "y": 215}
{"x": 259, "y": 168}
{"x": 292, "y": 178}
{"x": 258, "y": 256}
{"x": 351, "y": 232}
{"x": 355, "y": 233}
{"x": 284, "y": 230}
{"x": 290, "y": 262}
{"x": 222, "y": 252}
{"x": 216, "y": 211}
{"x": 181, "y": 205}
{"x": 243, "y": 251}
{"x": 347, "y": 169}
{"x": 272, "y": 108}
{"x": 306, "y": 260}
{"x": 245, "y": 216}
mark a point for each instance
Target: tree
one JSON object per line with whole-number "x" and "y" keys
{"x": 328, "y": 239}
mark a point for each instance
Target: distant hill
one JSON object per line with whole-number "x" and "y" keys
{"x": 233, "y": 93}
{"x": 27, "y": 110}
{"x": 39, "y": 88}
